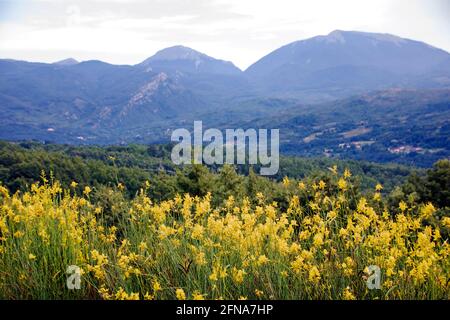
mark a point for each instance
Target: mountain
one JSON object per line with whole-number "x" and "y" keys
{"x": 348, "y": 62}
{"x": 91, "y": 100}
{"x": 66, "y": 62}
{"x": 402, "y": 125}
{"x": 216, "y": 81}
{"x": 72, "y": 101}
{"x": 366, "y": 91}
{"x": 184, "y": 59}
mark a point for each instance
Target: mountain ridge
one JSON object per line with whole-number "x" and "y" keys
{"x": 97, "y": 102}
{"x": 369, "y": 60}
{"x": 185, "y": 59}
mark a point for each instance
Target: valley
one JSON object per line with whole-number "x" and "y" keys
{"x": 343, "y": 95}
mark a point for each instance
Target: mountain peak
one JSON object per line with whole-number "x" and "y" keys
{"x": 350, "y": 59}
{"x": 341, "y": 36}
{"x": 178, "y": 53}
{"x": 335, "y": 36}
{"x": 185, "y": 59}
{"x": 66, "y": 62}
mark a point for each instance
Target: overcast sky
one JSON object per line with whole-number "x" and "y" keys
{"x": 241, "y": 31}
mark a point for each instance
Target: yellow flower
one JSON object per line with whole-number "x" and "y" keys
{"x": 342, "y": 184}
{"x": 148, "y": 296}
{"x": 156, "y": 286}
{"x": 331, "y": 215}
{"x": 142, "y": 246}
{"x": 318, "y": 239}
{"x": 427, "y": 210}
{"x": 165, "y": 231}
{"x": 213, "y": 276}
{"x": 378, "y": 187}
{"x": 348, "y": 295}
{"x": 259, "y": 293}
{"x": 377, "y": 196}
{"x": 4, "y": 192}
{"x": 446, "y": 221}
{"x": 197, "y": 296}
{"x": 314, "y": 274}
{"x": 104, "y": 293}
{"x": 348, "y": 266}
{"x": 260, "y": 197}
{"x": 87, "y": 190}
{"x": 197, "y": 232}
{"x": 343, "y": 232}
{"x": 322, "y": 185}
{"x": 123, "y": 295}
{"x": 262, "y": 259}
{"x": 74, "y": 184}
{"x": 31, "y": 257}
{"x": 286, "y": 181}
{"x": 305, "y": 234}
{"x": 333, "y": 169}
{"x": 238, "y": 275}
{"x": 402, "y": 205}
{"x": 18, "y": 234}
{"x": 347, "y": 174}
{"x": 200, "y": 258}
{"x": 180, "y": 294}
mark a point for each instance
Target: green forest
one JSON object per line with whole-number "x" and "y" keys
{"x": 22, "y": 164}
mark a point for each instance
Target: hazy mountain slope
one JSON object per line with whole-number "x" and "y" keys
{"x": 211, "y": 78}
{"x": 184, "y": 59}
{"x": 66, "y": 62}
{"x": 97, "y": 102}
{"x": 347, "y": 62}
{"x": 409, "y": 126}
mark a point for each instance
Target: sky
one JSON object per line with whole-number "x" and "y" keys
{"x": 241, "y": 31}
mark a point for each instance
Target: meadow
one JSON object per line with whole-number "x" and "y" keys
{"x": 318, "y": 246}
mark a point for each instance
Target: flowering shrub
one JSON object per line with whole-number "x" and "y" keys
{"x": 319, "y": 247}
